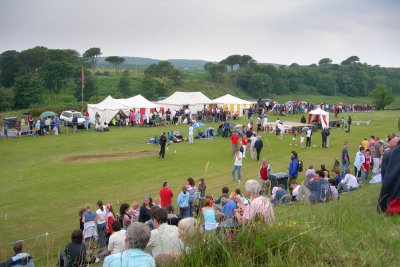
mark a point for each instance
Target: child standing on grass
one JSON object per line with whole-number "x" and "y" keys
{"x": 302, "y": 141}
{"x": 183, "y": 203}
{"x": 294, "y": 138}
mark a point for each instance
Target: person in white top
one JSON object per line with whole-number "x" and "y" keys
{"x": 295, "y": 189}
{"x": 308, "y": 141}
{"x": 190, "y": 138}
{"x": 101, "y": 222}
{"x": 265, "y": 123}
{"x": 253, "y": 140}
{"x": 281, "y": 130}
{"x": 348, "y": 183}
{"x": 237, "y": 165}
{"x": 116, "y": 242}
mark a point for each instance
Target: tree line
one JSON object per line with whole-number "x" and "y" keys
{"x": 350, "y": 77}
{"x": 39, "y": 76}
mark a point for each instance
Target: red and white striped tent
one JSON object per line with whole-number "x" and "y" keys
{"x": 319, "y": 115}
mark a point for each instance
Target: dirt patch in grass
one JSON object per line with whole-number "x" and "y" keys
{"x": 90, "y": 157}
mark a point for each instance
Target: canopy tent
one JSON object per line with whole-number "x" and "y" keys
{"x": 233, "y": 103}
{"x": 109, "y": 107}
{"x": 137, "y": 102}
{"x": 319, "y": 115}
{"x": 195, "y": 101}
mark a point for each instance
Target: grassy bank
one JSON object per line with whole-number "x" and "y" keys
{"x": 42, "y": 190}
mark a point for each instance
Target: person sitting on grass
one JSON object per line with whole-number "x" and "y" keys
{"x": 20, "y": 258}
{"x": 227, "y": 213}
{"x": 310, "y": 172}
{"x": 319, "y": 188}
{"x": 210, "y": 223}
{"x": 259, "y": 207}
{"x": 137, "y": 237}
{"x": 295, "y": 190}
{"x": 187, "y": 229}
{"x": 225, "y": 191}
{"x": 280, "y": 195}
{"x": 164, "y": 238}
{"x": 333, "y": 190}
{"x": 117, "y": 239}
{"x": 172, "y": 217}
{"x": 348, "y": 183}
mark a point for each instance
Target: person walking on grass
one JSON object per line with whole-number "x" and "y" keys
{"x": 190, "y": 137}
{"x": 258, "y": 146}
{"x": 163, "y": 142}
{"x": 349, "y": 120}
{"x": 237, "y": 165}
{"x": 308, "y": 140}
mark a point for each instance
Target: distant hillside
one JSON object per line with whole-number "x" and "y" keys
{"x": 141, "y": 63}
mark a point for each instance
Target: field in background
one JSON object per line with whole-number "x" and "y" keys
{"x": 42, "y": 190}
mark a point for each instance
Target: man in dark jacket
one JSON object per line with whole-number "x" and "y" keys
{"x": 163, "y": 142}
{"x": 258, "y": 146}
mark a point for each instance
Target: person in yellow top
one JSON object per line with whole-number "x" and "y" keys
{"x": 365, "y": 143}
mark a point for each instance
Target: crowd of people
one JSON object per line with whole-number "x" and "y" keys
{"x": 141, "y": 235}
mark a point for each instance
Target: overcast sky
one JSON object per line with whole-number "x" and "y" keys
{"x": 280, "y": 31}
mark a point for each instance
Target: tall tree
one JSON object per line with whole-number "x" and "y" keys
{"x": 91, "y": 55}
{"x": 165, "y": 72}
{"x": 246, "y": 60}
{"x": 325, "y": 61}
{"x": 33, "y": 59}
{"x": 260, "y": 85}
{"x": 381, "y": 96}
{"x": 116, "y": 62}
{"x": 6, "y": 98}
{"x": 9, "y": 67}
{"x": 28, "y": 91}
{"x": 350, "y": 60}
{"x": 216, "y": 71}
{"x": 124, "y": 84}
{"x": 54, "y": 74}
{"x": 232, "y": 60}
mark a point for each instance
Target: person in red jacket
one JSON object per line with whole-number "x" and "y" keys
{"x": 166, "y": 195}
{"x": 263, "y": 175}
{"x": 235, "y": 142}
{"x": 244, "y": 145}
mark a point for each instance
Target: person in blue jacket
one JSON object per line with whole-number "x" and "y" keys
{"x": 293, "y": 166}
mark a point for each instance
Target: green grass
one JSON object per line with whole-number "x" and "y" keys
{"x": 41, "y": 192}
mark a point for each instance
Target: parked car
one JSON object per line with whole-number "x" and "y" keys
{"x": 67, "y": 115}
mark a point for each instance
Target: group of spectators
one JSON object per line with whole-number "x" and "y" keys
{"x": 142, "y": 235}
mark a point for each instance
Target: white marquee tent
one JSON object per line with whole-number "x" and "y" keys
{"x": 233, "y": 103}
{"x": 109, "y": 107}
{"x": 319, "y": 115}
{"x": 195, "y": 101}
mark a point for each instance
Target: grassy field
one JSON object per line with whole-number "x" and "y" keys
{"x": 42, "y": 190}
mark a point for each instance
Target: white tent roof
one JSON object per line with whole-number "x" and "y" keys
{"x": 137, "y": 102}
{"x": 186, "y": 98}
{"x": 108, "y": 103}
{"x": 322, "y": 114}
{"x": 230, "y": 99}
{"x": 318, "y": 111}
